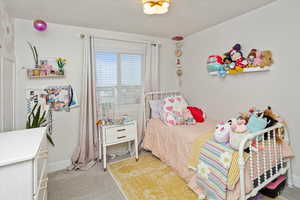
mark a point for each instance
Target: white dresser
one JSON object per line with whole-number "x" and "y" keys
{"x": 23, "y": 161}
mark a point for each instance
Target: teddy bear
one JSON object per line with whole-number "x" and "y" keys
{"x": 266, "y": 58}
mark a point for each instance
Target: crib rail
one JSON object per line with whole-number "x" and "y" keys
{"x": 265, "y": 158}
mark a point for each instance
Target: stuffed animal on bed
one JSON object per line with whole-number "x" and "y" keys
{"x": 257, "y": 123}
{"x": 188, "y": 118}
{"x": 198, "y": 114}
{"x": 239, "y": 125}
{"x": 238, "y": 132}
{"x": 222, "y": 132}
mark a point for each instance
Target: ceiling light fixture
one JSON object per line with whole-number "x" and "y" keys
{"x": 156, "y": 7}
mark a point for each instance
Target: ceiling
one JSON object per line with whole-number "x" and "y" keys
{"x": 184, "y": 17}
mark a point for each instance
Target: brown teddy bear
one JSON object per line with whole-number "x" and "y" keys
{"x": 266, "y": 58}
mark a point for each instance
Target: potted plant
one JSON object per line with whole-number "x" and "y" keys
{"x": 36, "y": 71}
{"x": 61, "y": 63}
{"x": 38, "y": 119}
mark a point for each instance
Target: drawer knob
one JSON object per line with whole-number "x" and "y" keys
{"x": 121, "y": 137}
{"x": 120, "y": 130}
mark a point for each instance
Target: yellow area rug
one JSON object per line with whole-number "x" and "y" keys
{"x": 150, "y": 179}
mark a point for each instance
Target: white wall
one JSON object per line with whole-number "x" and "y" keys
{"x": 64, "y": 41}
{"x": 274, "y": 27}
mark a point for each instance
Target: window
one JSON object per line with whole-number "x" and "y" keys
{"x": 118, "y": 80}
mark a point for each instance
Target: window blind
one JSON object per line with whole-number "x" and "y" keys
{"x": 118, "y": 78}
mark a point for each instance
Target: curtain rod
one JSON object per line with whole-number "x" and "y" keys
{"x": 82, "y": 36}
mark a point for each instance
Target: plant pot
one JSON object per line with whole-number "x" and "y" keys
{"x": 36, "y": 72}
{"x": 61, "y": 71}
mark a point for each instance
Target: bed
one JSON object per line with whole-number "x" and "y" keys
{"x": 174, "y": 146}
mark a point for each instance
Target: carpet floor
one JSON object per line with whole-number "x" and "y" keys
{"x": 150, "y": 179}
{"x": 95, "y": 184}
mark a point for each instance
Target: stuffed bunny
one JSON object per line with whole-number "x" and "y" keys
{"x": 222, "y": 132}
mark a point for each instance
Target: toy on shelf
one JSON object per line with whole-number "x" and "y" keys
{"x": 48, "y": 69}
{"x": 233, "y": 62}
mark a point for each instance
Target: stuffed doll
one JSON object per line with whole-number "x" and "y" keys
{"x": 251, "y": 57}
{"x": 222, "y": 132}
{"x": 238, "y": 132}
{"x": 239, "y": 126}
{"x": 187, "y": 116}
{"x": 258, "y": 58}
{"x": 198, "y": 114}
{"x": 214, "y": 63}
{"x": 236, "y": 56}
{"x": 266, "y": 58}
{"x": 228, "y": 64}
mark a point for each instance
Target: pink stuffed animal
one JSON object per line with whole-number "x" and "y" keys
{"x": 222, "y": 132}
{"x": 239, "y": 126}
{"x": 258, "y": 59}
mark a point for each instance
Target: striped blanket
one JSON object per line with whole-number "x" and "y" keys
{"x": 213, "y": 168}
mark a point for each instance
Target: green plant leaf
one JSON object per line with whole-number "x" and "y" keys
{"x": 33, "y": 52}
{"x": 36, "y": 55}
{"x": 50, "y": 139}
{"x": 42, "y": 119}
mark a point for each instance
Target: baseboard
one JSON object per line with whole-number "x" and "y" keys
{"x": 296, "y": 180}
{"x": 56, "y": 166}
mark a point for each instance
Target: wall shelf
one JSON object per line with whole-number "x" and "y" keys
{"x": 45, "y": 77}
{"x": 41, "y": 74}
{"x": 246, "y": 70}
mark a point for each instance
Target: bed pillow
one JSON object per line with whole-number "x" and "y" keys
{"x": 197, "y": 113}
{"x": 173, "y": 108}
{"x": 156, "y": 107}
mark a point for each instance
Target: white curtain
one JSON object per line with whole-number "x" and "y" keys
{"x": 151, "y": 80}
{"x": 151, "y": 74}
{"x": 87, "y": 152}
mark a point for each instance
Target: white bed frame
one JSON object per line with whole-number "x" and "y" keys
{"x": 281, "y": 167}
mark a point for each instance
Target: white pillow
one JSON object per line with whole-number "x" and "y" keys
{"x": 156, "y": 108}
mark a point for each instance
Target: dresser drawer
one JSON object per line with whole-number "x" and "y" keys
{"x": 119, "y": 134}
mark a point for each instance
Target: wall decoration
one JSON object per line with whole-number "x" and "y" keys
{"x": 40, "y": 25}
{"x": 55, "y": 98}
{"x": 178, "y": 53}
{"x": 234, "y": 62}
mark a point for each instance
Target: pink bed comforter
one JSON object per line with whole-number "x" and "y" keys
{"x": 173, "y": 144}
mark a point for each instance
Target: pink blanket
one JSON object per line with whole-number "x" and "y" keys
{"x": 173, "y": 144}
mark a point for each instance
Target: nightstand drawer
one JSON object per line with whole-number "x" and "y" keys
{"x": 121, "y": 133}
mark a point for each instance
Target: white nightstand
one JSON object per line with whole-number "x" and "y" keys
{"x": 117, "y": 134}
